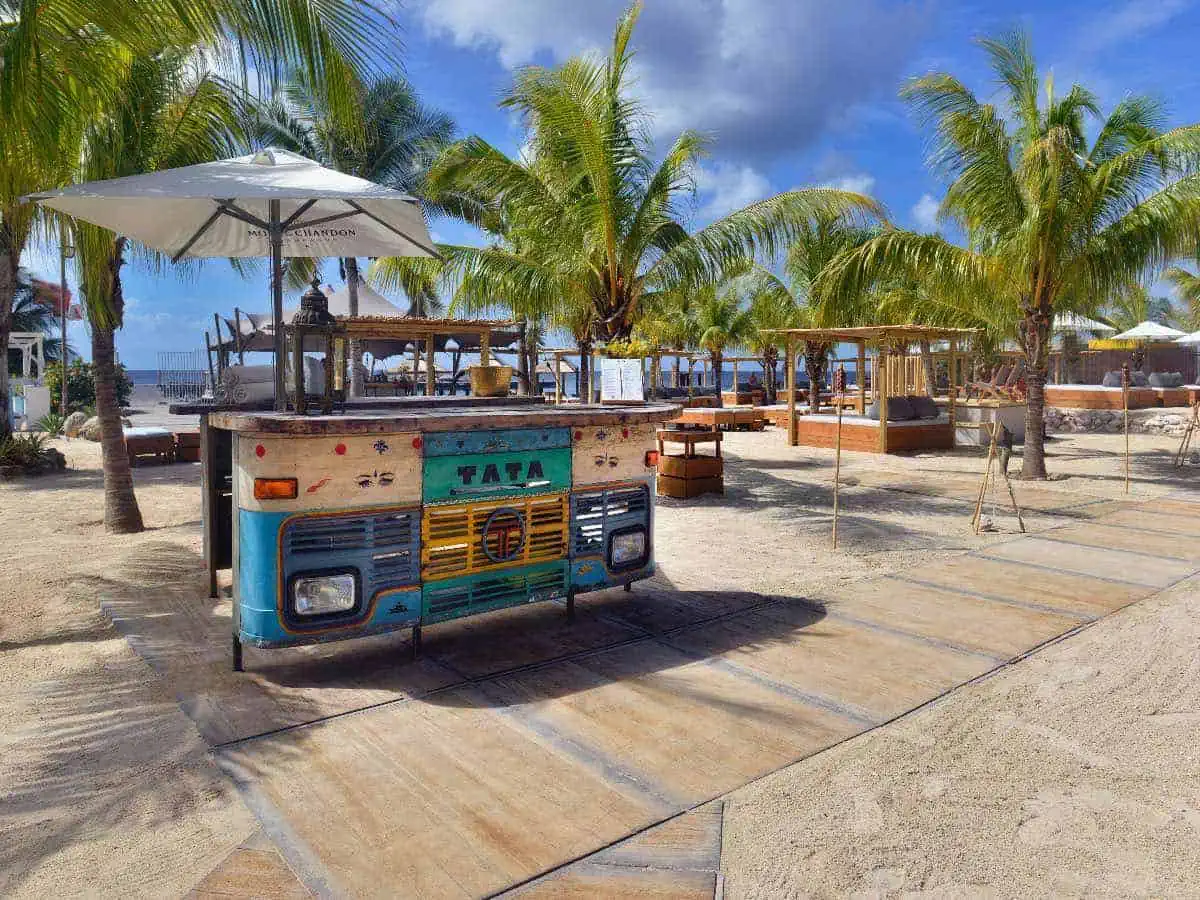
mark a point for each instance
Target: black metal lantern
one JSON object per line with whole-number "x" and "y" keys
{"x": 314, "y": 308}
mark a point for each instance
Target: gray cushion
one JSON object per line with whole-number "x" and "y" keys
{"x": 1176, "y": 379}
{"x": 1158, "y": 380}
{"x": 872, "y": 411}
{"x": 1112, "y": 379}
{"x": 923, "y": 407}
{"x": 1139, "y": 379}
{"x": 899, "y": 410}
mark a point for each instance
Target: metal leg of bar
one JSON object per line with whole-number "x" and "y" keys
{"x": 237, "y": 654}
{"x": 629, "y": 588}
{"x": 416, "y": 642}
{"x": 571, "y": 605}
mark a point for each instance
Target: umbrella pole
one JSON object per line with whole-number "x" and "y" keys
{"x": 277, "y": 306}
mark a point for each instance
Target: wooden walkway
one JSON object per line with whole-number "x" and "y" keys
{"x": 523, "y": 754}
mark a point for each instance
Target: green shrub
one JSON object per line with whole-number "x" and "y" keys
{"x": 51, "y": 423}
{"x": 81, "y": 388}
{"x": 22, "y": 450}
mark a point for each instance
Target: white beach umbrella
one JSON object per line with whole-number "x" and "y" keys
{"x": 1193, "y": 338}
{"x": 1148, "y": 331}
{"x": 271, "y": 203}
{"x": 1069, "y": 321}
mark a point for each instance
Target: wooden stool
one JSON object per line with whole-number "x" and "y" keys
{"x": 143, "y": 443}
{"x": 187, "y": 446}
{"x": 690, "y": 475}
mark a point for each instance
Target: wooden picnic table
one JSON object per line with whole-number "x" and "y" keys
{"x": 725, "y": 418}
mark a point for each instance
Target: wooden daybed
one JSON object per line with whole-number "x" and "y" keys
{"x": 862, "y": 434}
{"x": 1097, "y": 396}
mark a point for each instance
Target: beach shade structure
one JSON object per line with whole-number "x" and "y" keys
{"x": 1193, "y": 338}
{"x": 1073, "y": 322}
{"x": 269, "y": 204}
{"x": 1149, "y": 331}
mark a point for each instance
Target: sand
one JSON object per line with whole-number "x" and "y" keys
{"x": 109, "y": 788}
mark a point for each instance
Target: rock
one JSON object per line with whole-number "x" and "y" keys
{"x": 91, "y": 428}
{"x": 73, "y": 423}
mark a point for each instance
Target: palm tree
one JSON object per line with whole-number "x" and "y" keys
{"x": 799, "y": 296}
{"x": 721, "y": 322}
{"x": 63, "y": 63}
{"x": 1052, "y": 218}
{"x": 1187, "y": 285}
{"x": 390, "y": 139}
{"x": 668, "y": 322}
{"x": 587, "y": 215}
{"x": 770, "y": 311}
{"x": 171, "y": 115}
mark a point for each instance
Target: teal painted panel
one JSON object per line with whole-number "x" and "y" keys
{"x": 455, "y": 443}
{"x": 482, "y": 476}
{"x": 471, "y": 594}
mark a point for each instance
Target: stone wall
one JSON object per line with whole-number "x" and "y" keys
{"x": 1111, "y": 421}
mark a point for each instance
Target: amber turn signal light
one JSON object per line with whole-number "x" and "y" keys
{"x": 275, "y": 489}
{"x": 651, "y": 458}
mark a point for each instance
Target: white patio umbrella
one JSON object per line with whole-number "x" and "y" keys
{"x": 1148, "y": 331}
{"x": 271, "y": 203}
{"x": 1069, "y": 321}
{"x": 1193, "y": 338}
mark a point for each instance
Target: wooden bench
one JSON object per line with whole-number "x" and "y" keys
{"x": 149, "y": 443}
{"x": 690, "y": 474}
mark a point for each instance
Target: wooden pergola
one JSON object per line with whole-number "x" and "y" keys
{"x": 887, "y": 340}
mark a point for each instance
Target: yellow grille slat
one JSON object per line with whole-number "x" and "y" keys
{"x": 452, "y": 537}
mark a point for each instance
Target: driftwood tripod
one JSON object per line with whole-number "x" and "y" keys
{"x": 1189, "y": 435}
{"x": 999, "y": 453}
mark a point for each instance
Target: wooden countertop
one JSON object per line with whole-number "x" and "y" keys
{"x": 443, "y": 418}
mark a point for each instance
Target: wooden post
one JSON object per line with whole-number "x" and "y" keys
{"x": 953, "y": 364}
{"x": 558, "y": 387}
{"x": 861, "y": 376}
{"x": 237, "y": 318}
{"x": 208, "y": 353}
{"x": 430, "y": 377}
{"x": 298, "y": 370}
{"x": 220, "y": 352}
{"x": 735, "y": 382}
{"x": 881, "y": 380}
{"x": 790, "y": 356}
{"x": 416, "y": 364}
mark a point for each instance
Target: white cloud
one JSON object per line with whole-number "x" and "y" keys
{"x": 1129, "y": 20}
{"x": 924, "y": 213}
{"x": 765, "y": 76}
{"x": 858, "y": 184}
{"x": 725, "y": 187}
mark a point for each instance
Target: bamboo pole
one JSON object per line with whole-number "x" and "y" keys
{"x": 987, "y": 472}
{"x": 790, "y": 354}
{"x": 860, "y": 374}
{"x": 881, "y": 376}
{"x": 1125, "y": 405}
{"x": 840, "y": 388}
{"x": 558, "y": 386}
{"x": 952, "y": 386}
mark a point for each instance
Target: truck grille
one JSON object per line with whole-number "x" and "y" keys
{"x": 596, "y": 514}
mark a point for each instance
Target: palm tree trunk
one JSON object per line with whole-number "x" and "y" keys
{"x": 8, "y": 290}
{"x": 770, "y": 360}
{"x": 523, "y": 385}
{"x": 584, "y": 376}
{"x": 927, "y": 368}
{"x": 357, "y": 378}
{"x": 718, "y": 359}
{"x": 531, "y": 356}
{"x": 675, "y": 377}
{"x": 121, "y": 512}
{"x": 814, "y": 365}
{"x": 1036, "y": 345}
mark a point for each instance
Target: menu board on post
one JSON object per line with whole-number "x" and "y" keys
{"x": 621, "y": 381}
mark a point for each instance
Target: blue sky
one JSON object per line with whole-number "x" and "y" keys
{"x": 793, "y": 92}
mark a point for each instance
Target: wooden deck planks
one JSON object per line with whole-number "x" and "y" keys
{"x": 1109, "y": 535}
{"x": 976, "y": 623}
{"x": 694, "y": 729}
{"x": 860, "y": 667}
{"x": 436, "y": 801}
{"x": 1117, "y": 565}
{"x": 1060, "y": 591}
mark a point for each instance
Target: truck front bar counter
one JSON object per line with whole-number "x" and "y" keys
{"x": 371, "y": 521}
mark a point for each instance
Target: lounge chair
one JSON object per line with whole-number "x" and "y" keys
{"x": 999, "y": 377}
